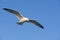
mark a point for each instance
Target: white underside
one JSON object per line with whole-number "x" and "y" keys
{"x": 23, "y": 19}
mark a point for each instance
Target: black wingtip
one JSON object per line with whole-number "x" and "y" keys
{"x": 42, "y": 27}
{"x": 5, "y": 8}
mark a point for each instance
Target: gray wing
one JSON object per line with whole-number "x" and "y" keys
{"x": 36, "y": 23}
{"x": 14, "y": 12}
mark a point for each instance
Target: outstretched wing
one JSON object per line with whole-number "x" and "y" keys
{"x": 14, "y": 12}
{"x": 36, "y": 23}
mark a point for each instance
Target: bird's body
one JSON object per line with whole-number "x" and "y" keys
{"x": 23, "y": 19}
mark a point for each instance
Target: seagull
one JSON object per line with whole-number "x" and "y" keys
{"x": 23, "y": 19}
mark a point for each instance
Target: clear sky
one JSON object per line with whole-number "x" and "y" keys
{"x": 46, "y": 12}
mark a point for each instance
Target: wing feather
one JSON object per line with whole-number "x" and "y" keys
{"x": 36, "y": 23}
{"x": 14, "y": 12}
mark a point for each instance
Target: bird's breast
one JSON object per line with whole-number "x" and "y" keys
{"x": 24, "y": 19}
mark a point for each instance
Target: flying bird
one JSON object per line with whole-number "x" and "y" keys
{"x": 23, "y": 19}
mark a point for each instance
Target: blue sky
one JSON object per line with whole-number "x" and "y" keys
{"x": 46, "y": 12}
